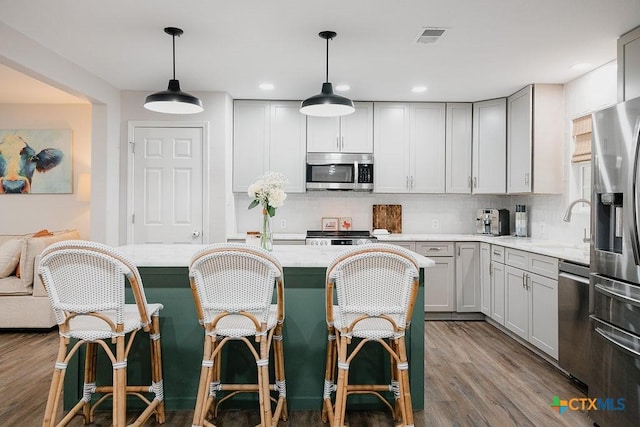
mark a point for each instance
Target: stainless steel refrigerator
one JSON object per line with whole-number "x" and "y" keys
{"x": 614, "y": 380}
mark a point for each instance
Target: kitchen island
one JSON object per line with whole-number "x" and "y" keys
{"x": 164, "y": 271}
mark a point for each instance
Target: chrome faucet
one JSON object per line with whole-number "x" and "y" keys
{"x": 567, "y": 215}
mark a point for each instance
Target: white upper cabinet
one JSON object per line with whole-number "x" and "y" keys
{"x": 489, "y": 147}
{"x": 629, "y": 65}
{"x": 409, "y": 147}
{"x": 352, "y": 133}
{"x": 534, "y": 140}
{"x": 458, "y": 148}
{"x": 268, "y": 136}
{"x": 477, "y": 147}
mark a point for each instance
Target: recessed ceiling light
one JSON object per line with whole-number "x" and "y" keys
{"x": 419, "y": 89}
{"x": 343, "y": 88}
{"x": 266, "y": 86}
{"x": 581, "y": 66}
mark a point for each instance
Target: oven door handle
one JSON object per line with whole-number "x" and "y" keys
{"x": 611, "y": 339}
{"x": 613, "y": 294}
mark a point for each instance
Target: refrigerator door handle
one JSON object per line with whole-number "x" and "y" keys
{"x": 611, "y": 339}
{"x": 613, "y": 294}
{"x": 635, "y": 242}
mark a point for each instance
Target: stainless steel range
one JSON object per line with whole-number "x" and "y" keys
{"x": 338, "y": 238}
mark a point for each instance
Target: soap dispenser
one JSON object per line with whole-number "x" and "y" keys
{"x": 521, "y": 221}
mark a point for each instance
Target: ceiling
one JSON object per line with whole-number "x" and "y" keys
{"x": 490, "y": 48}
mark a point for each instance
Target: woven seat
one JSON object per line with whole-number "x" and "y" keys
{"x": 85, "y": 282}
{"x": 232, "y": 286}
{"x": 375, "y": 286}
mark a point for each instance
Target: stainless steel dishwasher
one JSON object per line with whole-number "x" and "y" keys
{"x": 573, "y": 320}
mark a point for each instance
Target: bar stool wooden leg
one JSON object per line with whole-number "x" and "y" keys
{"x": 343, "y": 382}
{"x": 57, "y": 382}
{"x": 329, "y": 376}
{"x": 119, "y": 384}
{"x": 281, "y": 385}
{"x": 263, "y": 383}
{"x": 156, "y": 368}
{"x": 405, "y": 388}
{"x": 90, "y": 364}
{"x": 201, "y": 408}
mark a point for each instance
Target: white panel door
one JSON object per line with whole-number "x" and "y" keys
{"x": 543, "y": 313}
{"x": 497, "y": 292}
{"x": 356, "y": 129}
{"x": 167, "y": 188}
{"x": 250, "y": 142}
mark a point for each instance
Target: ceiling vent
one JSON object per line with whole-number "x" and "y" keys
{"x": 430, "y": 35}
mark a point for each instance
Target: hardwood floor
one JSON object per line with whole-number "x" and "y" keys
{"x": 475, "y": 375}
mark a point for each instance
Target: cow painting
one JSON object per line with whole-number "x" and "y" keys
{"x": 18, "y": 162}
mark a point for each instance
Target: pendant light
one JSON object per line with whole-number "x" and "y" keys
{"x": 173, "y": 100}
{"x": 327, "y": 103}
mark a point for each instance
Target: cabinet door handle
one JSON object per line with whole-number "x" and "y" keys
{"x": 337, "y": 143}
{"x": 342, "y": 143}
{"x": 475, "y": 182}
{"x": 435, "y": 248}
{"x": 406, "y": 185}
{"x": 523, "y": 281}
{"x": 411, "y": 188}
{"x": 496, "y": 253}
{"x": 490, "y": 269}
{"x": 469, "y": 181}
{"x": 526, "y": 179}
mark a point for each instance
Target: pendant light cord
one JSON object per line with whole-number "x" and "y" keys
{"x": 327, "y": 71}
{"x": 173, "y": 37}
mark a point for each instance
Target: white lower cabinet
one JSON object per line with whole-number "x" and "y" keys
{"x": 467, "y": 277}
{"x": 485, "y": 278}
{"x": 531, "y": 299}
{"x": 439, "y": 289}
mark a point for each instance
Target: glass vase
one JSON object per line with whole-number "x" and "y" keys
{"x": 266, "y": 237}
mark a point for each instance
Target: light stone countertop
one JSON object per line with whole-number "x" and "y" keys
{"x": 574, "y": 252}
{"x": 157, "y": 255}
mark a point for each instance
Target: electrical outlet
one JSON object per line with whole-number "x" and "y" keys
{"x": 283, "y": 223}
{"x": 435, "y": 224}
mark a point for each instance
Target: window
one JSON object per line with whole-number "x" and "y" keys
{"x": 581, "y": 139}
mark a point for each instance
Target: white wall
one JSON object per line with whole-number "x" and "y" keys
{"x": 27, "y": 213}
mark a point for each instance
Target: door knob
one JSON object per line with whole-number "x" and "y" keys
{"x": 196, "y": 233}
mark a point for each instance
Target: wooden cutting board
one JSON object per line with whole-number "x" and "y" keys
{"x": 388, "y": 217}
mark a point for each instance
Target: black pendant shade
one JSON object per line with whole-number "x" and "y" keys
{"x": 173, "y": 100}
{"x": 327, "y": 103}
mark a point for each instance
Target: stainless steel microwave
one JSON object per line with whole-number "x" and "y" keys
{"x": 340, "y": 171}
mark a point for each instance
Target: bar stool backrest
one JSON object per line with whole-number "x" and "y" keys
{"x": 372, "y": 280}
{"x": 232, "y": 278}
{"x": 83, "y": 277}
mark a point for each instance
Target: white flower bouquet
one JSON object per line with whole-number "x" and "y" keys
{"x": 268, "y": 191}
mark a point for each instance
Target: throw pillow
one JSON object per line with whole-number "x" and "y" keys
{"x": 9, "y": 256}
{"x": 41, "y": 233}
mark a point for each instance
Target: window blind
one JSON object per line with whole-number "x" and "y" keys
{"x": 581, "y": 139}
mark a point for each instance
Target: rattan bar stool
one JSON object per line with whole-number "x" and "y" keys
{"x": 85, "y": 282}
{"x": 375, "y": 286}
{"x": 232, "y": 287}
